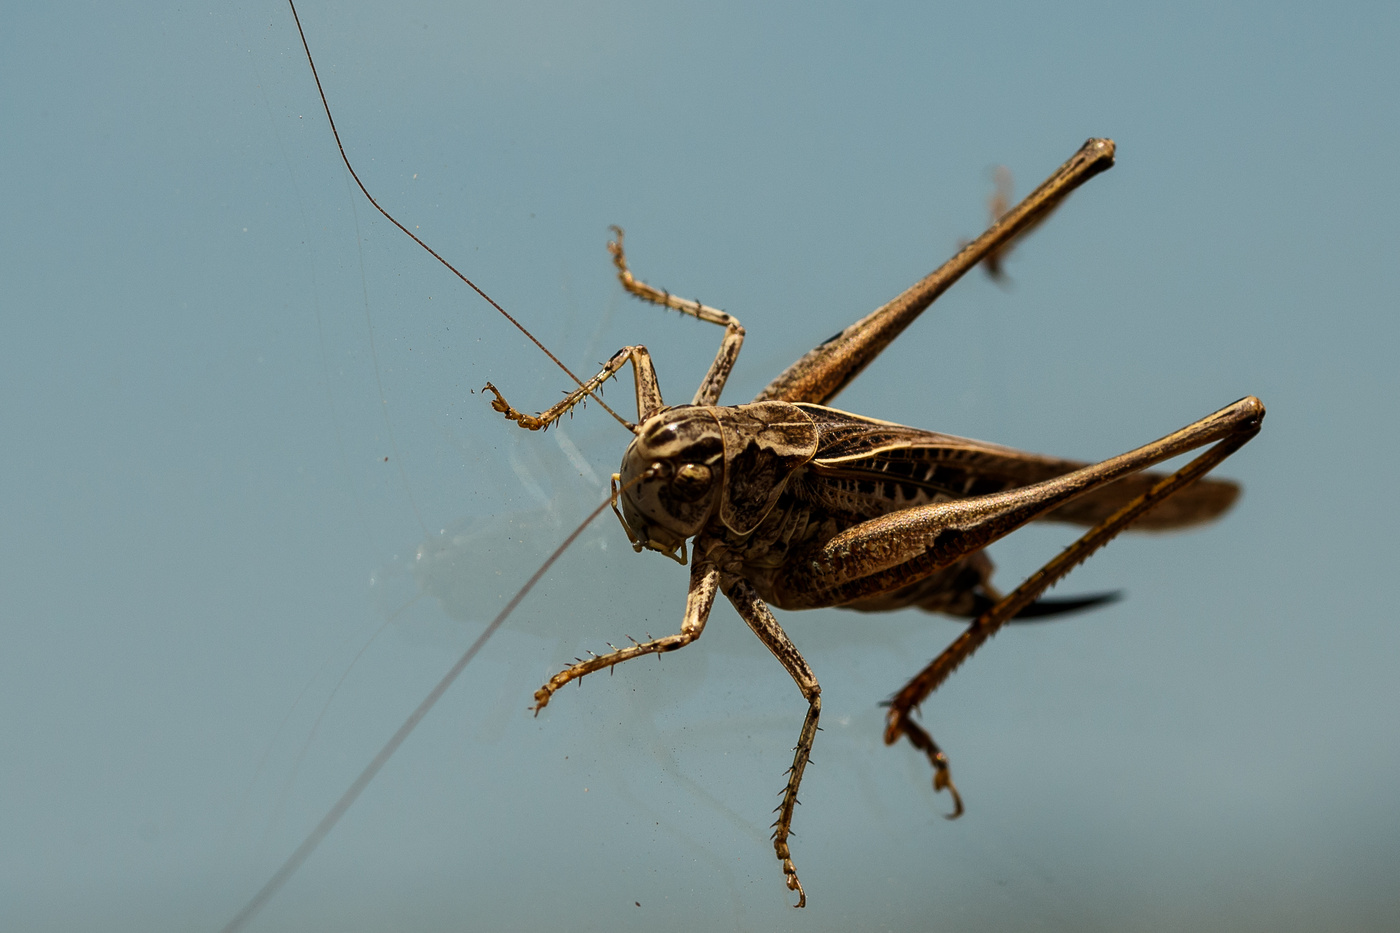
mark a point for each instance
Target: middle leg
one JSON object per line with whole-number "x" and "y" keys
{"x": 759, "y": 618}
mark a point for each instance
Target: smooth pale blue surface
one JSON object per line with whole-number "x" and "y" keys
{"x": 242, "y": 436}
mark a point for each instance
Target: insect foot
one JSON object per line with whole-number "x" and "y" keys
{"x": 791, "y": 874}
{"x": 899, "y": 724}
{"x": 528, "y": 422}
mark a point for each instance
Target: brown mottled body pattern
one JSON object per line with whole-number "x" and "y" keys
{"x": 789, "y": 503}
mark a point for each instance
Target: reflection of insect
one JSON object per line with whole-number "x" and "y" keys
{"x": 793, "y": 504}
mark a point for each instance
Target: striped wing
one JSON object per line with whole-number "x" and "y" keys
{"x": 869, "y": 467}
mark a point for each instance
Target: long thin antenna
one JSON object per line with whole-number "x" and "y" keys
{"x": 325, "y": 105}
{"x": 332, "y": 817}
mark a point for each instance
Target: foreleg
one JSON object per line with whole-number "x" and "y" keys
{"x": 704, "y": 583}
{"x": 648, "y": 392}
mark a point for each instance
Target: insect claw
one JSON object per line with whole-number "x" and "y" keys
{"x": 793, "y": 884}
{"x": 943, "y": 780}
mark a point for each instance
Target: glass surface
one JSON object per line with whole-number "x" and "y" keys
{"x": 254, "y": 504}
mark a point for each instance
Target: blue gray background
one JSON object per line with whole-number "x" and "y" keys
{"x": 244, "y": 438}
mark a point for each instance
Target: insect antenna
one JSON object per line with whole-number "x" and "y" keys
{"x": 347, "y": 799}
{"x": 325, "y": 105}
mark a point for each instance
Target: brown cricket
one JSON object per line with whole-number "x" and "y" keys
{"x": 789, "y": 503}
{"x": 793, "y": 504}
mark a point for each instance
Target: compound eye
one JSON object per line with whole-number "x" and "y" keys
{"x": 692, "y": 480}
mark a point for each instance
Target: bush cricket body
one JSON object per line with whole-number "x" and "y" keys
{"x": 788, "y": 502}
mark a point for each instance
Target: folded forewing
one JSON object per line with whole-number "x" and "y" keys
{"x": 870, "y": 467}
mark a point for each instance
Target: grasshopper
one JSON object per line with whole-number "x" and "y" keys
{"x": 785, "y": 502}
{"x": 793, "y": 504}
